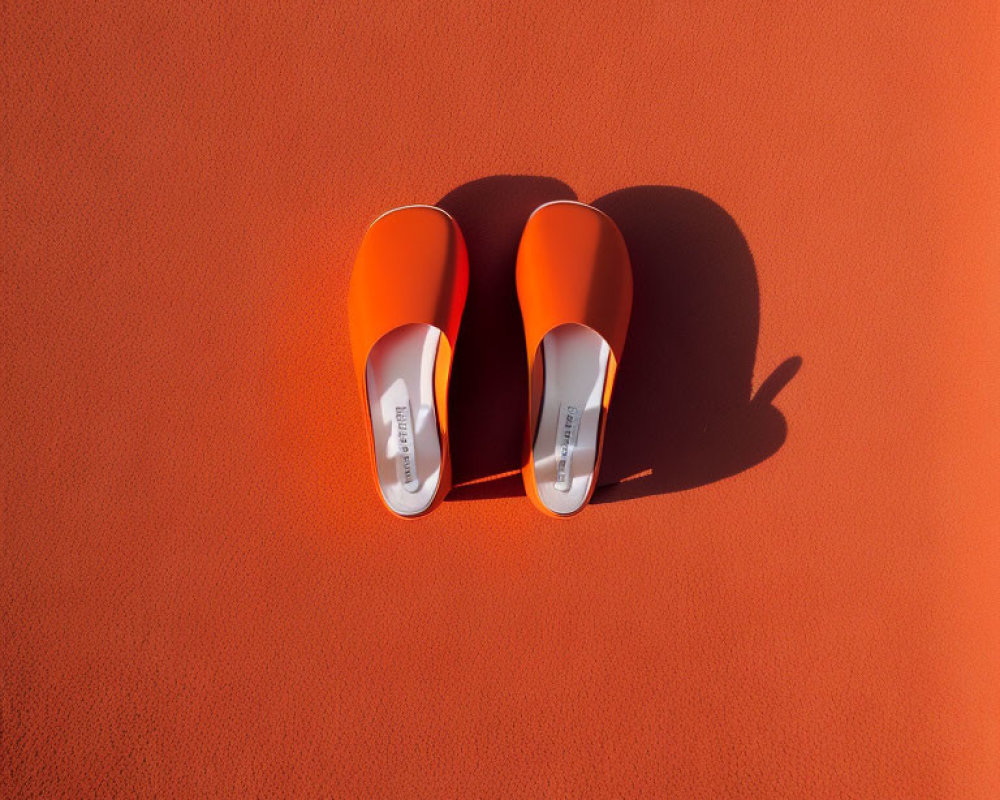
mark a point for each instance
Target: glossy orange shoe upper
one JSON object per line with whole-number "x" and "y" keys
{"x": 572, "y": 267}
{"x": 412, "y": 267}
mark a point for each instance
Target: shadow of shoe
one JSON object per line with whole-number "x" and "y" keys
{"x": 488, "y": 400}
{"x": 682, "y": 414}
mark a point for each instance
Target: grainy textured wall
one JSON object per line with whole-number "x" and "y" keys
{"x": 795, "y": 596}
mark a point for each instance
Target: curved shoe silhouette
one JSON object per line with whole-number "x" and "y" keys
{"x": 574, "y": 283}
{"x": 405, "y": 302}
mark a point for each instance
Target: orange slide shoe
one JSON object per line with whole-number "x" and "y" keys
{"x": 574, "y": 284}
{"x": 405, "y": 303}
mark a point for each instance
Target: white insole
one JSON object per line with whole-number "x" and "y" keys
{"x": 565, "y": 448}
{"x": 400, "y": 378}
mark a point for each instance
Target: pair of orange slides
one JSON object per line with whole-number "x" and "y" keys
{"x": 407, "y": 295}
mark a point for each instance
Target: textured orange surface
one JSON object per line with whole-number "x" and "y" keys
{"x": 797, "y": 595}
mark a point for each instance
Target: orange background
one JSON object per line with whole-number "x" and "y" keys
{"x": 202, "y": 595}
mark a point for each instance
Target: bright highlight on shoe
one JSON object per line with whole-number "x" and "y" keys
{"x": 405, "y": 304}
{"x": 574, "y": 284}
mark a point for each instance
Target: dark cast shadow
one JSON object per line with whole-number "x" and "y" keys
{"x": 488, "y": 395}
{"x": 683, "y": 413}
